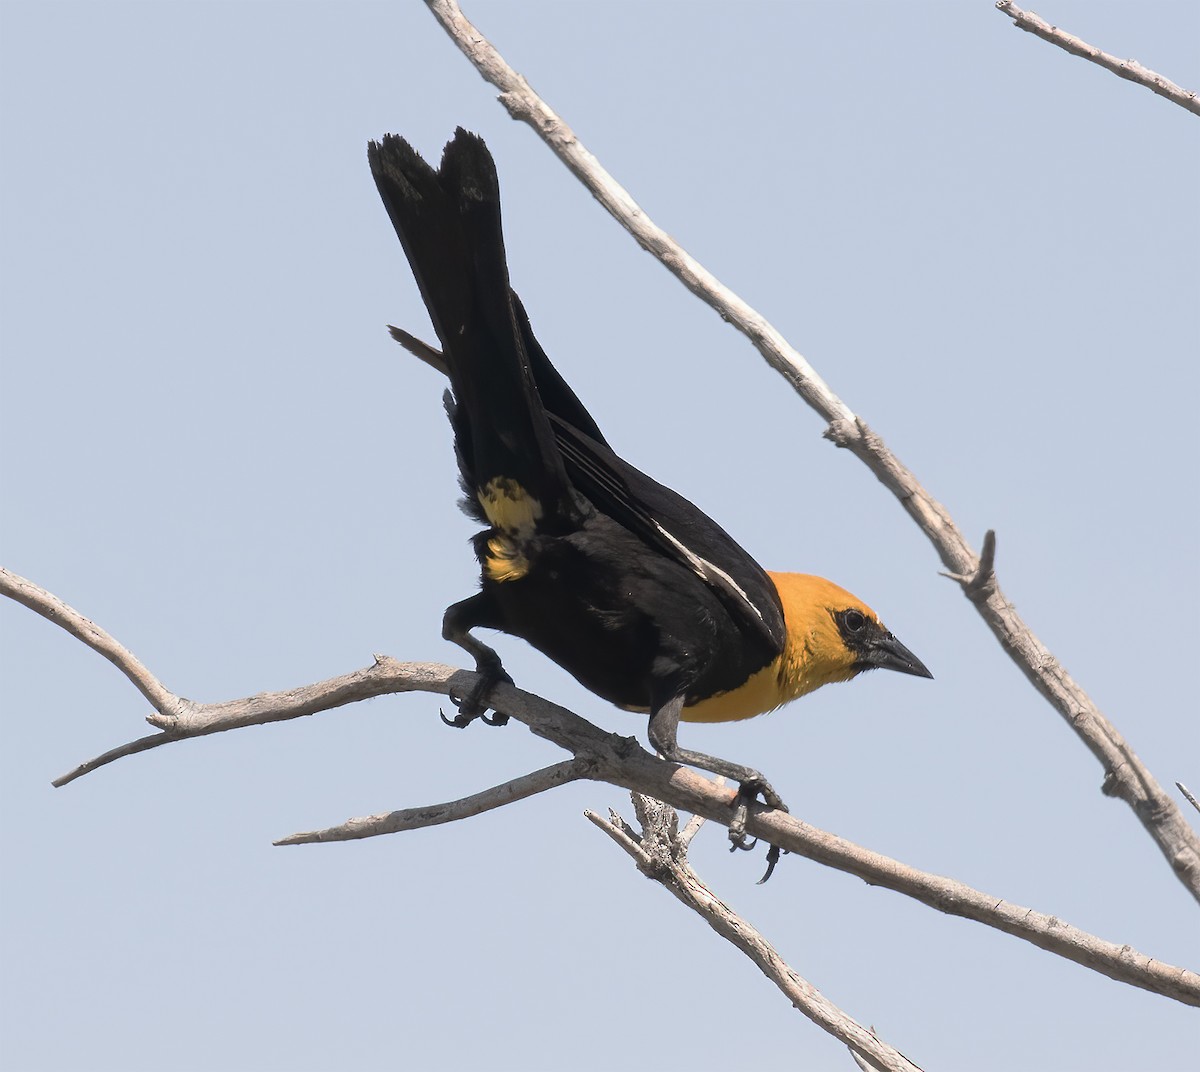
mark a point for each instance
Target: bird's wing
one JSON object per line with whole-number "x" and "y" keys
{"x": 675, "y": 527}
{"x": 663, "y": 518}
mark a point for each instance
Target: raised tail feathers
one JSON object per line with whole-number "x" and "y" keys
{"x": 448, "y": 221}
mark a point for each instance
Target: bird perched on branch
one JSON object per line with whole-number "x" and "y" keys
{"x": 624, "y": 583}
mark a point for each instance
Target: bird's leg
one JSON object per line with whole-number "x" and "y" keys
{"x": 456, "y": 626}
{"x": 663, "y": 733}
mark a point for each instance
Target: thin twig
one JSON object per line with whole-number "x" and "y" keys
{"x": 661, "y": 854}
{"x": 1130, "y": 70}
{"x": 622, "y": 761}
{"x": 132, "y": 748}
{"x": 188, "y": 718}
{"x": 1125, "y": 774}
{"x": 498, "y": 796}
{"x": 693, "y": 826}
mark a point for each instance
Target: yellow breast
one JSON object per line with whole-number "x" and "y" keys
{"x": 814, "y": 654}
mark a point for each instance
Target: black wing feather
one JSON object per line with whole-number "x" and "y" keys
{"x": 677, "y": 528}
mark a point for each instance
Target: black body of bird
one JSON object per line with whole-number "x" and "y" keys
{"x": 624, "y": 583}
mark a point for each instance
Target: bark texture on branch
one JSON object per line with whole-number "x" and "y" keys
{"x": 1130, "y": 70}
{"x": 498, "y": 796}
{"x": 660, "y": 852}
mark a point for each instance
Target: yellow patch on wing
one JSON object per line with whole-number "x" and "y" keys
{"x": 514, "y": 514}
{"x": 509, "y": 506}
{"x": 504, "y": 561}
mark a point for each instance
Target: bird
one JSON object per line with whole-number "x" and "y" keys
{"x": 624, "y": 583}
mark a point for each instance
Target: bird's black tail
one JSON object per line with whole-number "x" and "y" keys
{"x": 448, "y": 221}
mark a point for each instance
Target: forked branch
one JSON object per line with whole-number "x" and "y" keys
{"x": 1125, "y": 775}
{"x": 598, "y": 756}
{"x": 660, "y": 852}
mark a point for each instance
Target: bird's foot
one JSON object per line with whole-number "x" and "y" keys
{"x": 474, "y": 704}
{"x": 663, "y": 725}
{"x": 749, "y": 790}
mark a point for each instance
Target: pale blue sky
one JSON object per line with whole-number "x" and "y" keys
{"x": 211, "y": 447}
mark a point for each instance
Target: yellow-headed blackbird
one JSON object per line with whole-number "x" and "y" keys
{"x": 625, "y": 584}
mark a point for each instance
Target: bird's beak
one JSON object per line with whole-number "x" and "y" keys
{"x": 887, "y": 653}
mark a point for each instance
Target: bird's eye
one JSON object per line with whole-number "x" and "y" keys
{"x": 854, "y": 620}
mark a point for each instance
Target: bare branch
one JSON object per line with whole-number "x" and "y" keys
{"x": 498, "y": 796}
{"x": 385, "y": 677}
{"x": 864, "y": 1063}
{"x": 431, "y": 355}
{"x": 183, "y": 719}
{"x": 622, "y": 761}
{"x": 523, "y": 104}
{"x": 695, "y": 823}
{"x": 1130, "y": 70}
{"x": 54, "y": 609}
{"x": 142, "y": 744}
{"x": 661, "y": 854}
{"x": 1125, "y": 774}
{"x": 684, "y": 789}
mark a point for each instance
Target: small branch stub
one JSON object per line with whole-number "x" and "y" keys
{"x": 979, "y": 584}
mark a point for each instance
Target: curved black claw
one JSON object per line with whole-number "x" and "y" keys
{"x": 459, "y": 722}
{"x": 499, "y": 718}
{"x": 772, "y": 859}
{"x": 748, "y": 792}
